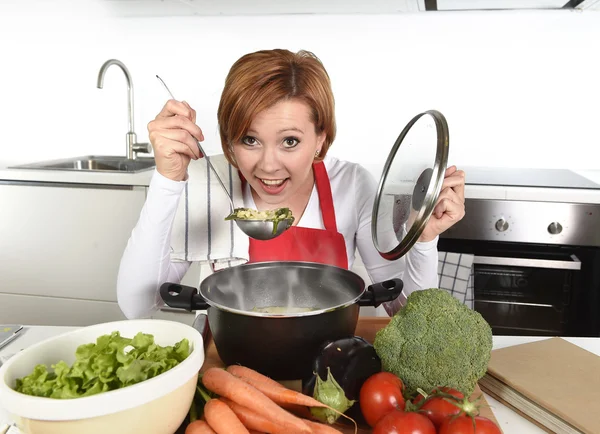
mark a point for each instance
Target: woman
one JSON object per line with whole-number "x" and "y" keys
{"x": 276, "y": 123}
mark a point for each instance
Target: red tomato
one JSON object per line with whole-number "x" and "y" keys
{"x": 463, "y": 424}
{"x": 399, "y": 422}
{"x": 380, "y": 395}
{"x": 437, "y": 408}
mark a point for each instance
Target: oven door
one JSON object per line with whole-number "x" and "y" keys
{"x": 523, "y": 289}
{"x": 525, "y": 294}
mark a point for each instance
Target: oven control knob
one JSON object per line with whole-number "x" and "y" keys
{"x": 555, "y": 228}
{"x": 501, "y": 225}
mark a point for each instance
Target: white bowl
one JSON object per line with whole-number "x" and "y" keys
{"x": 155, "y": 406}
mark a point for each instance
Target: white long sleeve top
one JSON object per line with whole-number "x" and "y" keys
{"x": 146, "y": 262}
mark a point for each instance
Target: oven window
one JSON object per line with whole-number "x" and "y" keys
{"x": 523, "y": 300}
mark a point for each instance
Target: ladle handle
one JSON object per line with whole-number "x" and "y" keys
{"x": 217, "y": 176}
{"x": 204, "y": 154}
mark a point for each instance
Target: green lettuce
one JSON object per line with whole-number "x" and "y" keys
{"x": 113, "y": 362}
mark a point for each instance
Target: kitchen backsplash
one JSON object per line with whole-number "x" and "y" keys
{"x": 517, "y": 88}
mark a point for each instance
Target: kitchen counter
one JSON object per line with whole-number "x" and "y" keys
{"x": 471, "y": 191}
{"x": 141, "y": 178}
{"x": 509, "y": 421}
{"x": 542, "y": 194}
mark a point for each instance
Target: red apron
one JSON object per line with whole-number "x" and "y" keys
{"x": 325, "y": 246}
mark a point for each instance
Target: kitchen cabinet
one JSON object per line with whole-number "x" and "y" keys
{"x": 61, "y": 244}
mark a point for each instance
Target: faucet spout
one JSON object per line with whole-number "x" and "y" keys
{"x": 100, "y": 84}
{"x": 132, "y": 146}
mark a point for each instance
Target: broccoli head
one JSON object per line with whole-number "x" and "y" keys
{"x": 435, "y": 341}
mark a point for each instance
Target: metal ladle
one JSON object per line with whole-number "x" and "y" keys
{"x": 257, "y": 229}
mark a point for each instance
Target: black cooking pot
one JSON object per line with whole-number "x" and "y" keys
{"x": 274, "y": 316}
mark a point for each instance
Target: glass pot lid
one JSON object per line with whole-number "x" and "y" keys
{"x": 410, "y": 184}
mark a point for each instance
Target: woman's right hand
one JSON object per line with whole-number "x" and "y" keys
{"x": 173, "y": 134}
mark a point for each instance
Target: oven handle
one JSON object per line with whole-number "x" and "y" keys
{"x": 527, "y": 262}
{"x": 514, "y": 303}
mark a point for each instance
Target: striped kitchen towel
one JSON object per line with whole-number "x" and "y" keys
{"x": 456, "y": 274}
{"x": 200, "y": 232}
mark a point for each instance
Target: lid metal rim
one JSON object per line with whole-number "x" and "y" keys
{"x": 433, "y": 189}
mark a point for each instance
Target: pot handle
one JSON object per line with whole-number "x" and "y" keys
{"x": 378, "y": 293}
{"x": 182, "y": 297}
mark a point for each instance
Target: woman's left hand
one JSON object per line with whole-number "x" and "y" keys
{"x": 450, "y": 207}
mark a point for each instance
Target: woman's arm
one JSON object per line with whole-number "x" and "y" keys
{"x": 146, "y": 262}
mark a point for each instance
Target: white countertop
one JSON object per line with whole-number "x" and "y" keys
{"x": 471, "y": 191}
{"x": 141, "y": 178}
{"x": 509, "y": 421}
{"x": 566, "y": 195}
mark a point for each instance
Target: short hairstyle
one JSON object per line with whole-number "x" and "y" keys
{"x": 259, "y": 80}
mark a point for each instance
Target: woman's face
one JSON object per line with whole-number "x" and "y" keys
{"x": 277, "y": 153}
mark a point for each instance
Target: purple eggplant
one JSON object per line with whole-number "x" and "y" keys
{"x": 351, "y": 360}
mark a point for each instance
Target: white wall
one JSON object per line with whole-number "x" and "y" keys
{"x": 517, "y": 88}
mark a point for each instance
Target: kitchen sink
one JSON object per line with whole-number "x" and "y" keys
{"x": 94, "y": 163}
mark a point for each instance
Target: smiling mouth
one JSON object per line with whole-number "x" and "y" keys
{"x": 272, "y": 182}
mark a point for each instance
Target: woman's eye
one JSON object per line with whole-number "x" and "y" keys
{"x": 249, "y": 140}
{"x": 290, "y": 142}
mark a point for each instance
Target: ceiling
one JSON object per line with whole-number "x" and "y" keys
{"x": 270, "y": 7}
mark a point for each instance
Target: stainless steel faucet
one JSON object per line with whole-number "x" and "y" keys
{"x": 133, "y": 148}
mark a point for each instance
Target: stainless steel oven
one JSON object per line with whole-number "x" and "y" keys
{"x": 536, "y": 264}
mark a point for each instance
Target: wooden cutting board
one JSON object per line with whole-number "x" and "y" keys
{"x": 367, "y": 327}
{"x": 548, "y": 379}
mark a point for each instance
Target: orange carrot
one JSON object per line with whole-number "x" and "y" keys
{"x": 253, "y": 420}
{"x": 321, "y": 428}
{"x": 227, "y": 385}
{"x": 199, "y": 427}
{"x": 289, "y": 399}
{"x": 222, "y": 419}
{"x": 299, "y": 410}
{"x": 244, "y": 372}
{"x": 276, "y": 392}
{"x": 255, "y": 378}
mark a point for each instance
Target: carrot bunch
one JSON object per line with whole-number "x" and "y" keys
{"x": 244, "y": 401}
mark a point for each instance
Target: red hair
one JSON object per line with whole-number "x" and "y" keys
{"x": 259, "y": 80}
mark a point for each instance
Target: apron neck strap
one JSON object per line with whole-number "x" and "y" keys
{"x": 325, "y": 196}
